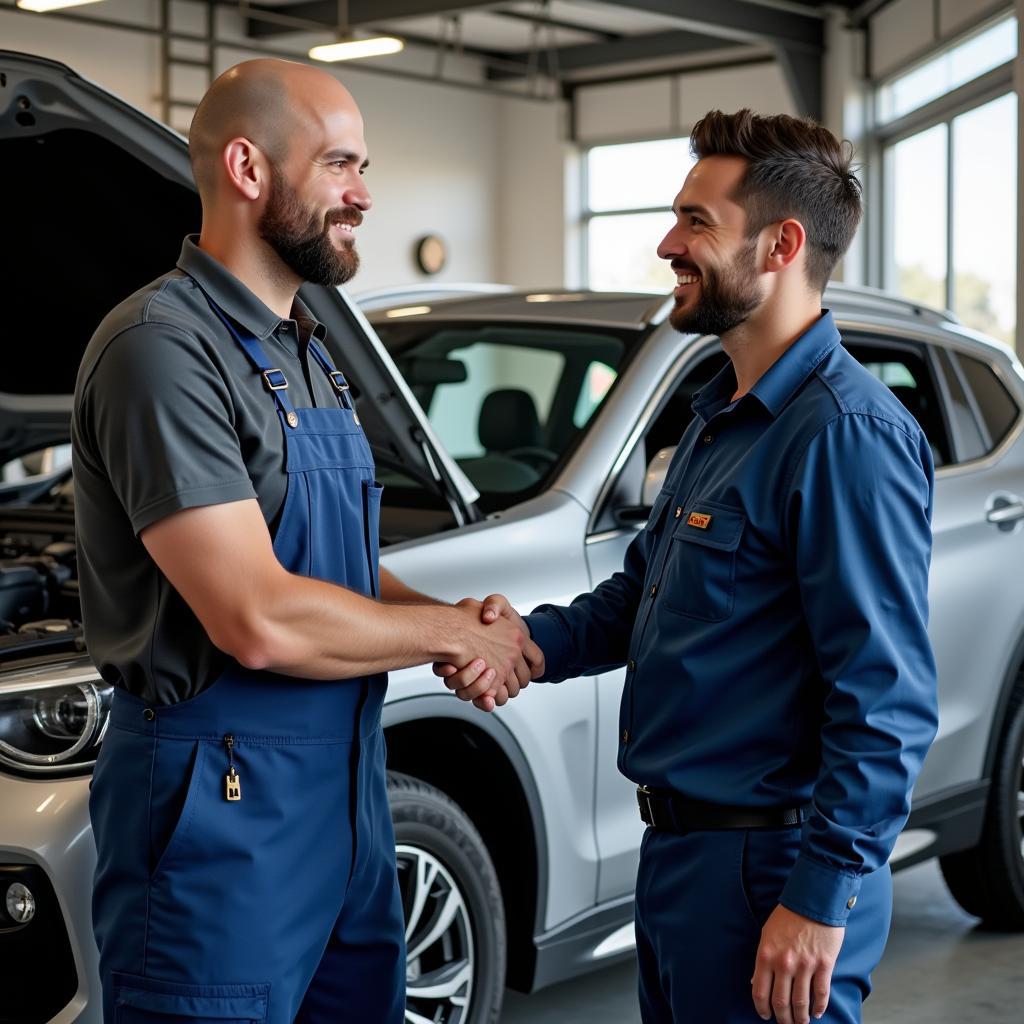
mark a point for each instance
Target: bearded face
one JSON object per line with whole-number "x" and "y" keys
{"x": 317, "y": 247}
{"x": 715, "y": 300}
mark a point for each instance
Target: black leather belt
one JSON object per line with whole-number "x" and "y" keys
{"x": 670, "y": 812}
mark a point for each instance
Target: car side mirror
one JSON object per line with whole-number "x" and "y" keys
{"x": 657, "y": 470}
{"x": 654, "y": 480}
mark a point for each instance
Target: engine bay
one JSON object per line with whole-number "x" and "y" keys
{"x": 40, "y": 609}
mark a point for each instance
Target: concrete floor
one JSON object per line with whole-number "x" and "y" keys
{"x": 938, "y": 969}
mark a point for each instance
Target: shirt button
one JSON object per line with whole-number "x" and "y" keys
{"x": 149, "y": 714}
{"x": 679, "y": 511}
{"x": 654, "y": 590}
{"x": 851, "y": 903}
{"x": 708, "y": 438}
{"x": 625, "y": 735}
{"x": 631, "y": 666}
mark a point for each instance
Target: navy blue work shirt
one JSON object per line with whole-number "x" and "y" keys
{"x": 772, "y": 614}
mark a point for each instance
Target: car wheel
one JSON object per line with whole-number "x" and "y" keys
{"x": 455, "y": 920}
{"x": 988, "y": 881}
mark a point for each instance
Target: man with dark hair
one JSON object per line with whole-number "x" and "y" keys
{"x": 780, "y": 686}
{"x": 228, "y": 533}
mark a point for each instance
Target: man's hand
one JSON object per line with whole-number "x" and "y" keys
{"x": 793, "y": 971}
{"x": 467, "y": 682}
{"x": 499, "y": 669}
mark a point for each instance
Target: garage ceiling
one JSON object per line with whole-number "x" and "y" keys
{"x": 585, "y": 41}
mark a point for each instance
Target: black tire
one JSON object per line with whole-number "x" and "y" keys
{"x": 988, "y": 881}
{"x": 435, "y": 837}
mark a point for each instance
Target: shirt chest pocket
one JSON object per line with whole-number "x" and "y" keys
{"x": 699, "y": 579}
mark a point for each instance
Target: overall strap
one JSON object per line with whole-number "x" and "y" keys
{"x": 274, "y": 379}
{"x": 336, "y": 377}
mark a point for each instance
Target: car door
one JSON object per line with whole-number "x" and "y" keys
{"x": 970, "y": 414}
{"x": 618, "y": 517}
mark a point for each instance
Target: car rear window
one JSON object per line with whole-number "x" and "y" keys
{"x": 997, "y": 408}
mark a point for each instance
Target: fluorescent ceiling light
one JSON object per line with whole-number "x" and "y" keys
{"x": 41, "y": 6}
{"x": 394, "y": 314}
{"x": 353, "y": 49}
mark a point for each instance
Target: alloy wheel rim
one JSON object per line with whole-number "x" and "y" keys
{"x": 440, "y": 956}
{"x": 1020, "y": 804}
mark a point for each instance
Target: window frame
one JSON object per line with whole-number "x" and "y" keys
{"x": 589, "y": 215}
{"x": 991, "y": 85}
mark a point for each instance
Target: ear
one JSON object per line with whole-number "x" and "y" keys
{"x": 786, "y": 240}
{"x": 245, "y": 167}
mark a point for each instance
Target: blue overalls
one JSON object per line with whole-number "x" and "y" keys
{"x": 246, "y": 857}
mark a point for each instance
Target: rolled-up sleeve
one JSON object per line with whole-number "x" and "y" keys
{"x": 858, "y": 517}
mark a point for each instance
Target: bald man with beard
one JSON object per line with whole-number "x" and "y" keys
{"x": 228, "y": 551}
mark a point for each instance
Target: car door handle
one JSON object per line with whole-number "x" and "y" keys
{"x": 1005, "y": 511}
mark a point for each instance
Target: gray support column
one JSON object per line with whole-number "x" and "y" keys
{"x": 844, "y": 112}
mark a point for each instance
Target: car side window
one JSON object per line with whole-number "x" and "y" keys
{"x": 963, "y": 422}
{"x": 997, "y": 409}
{"x": 597, "y": 380}
{"x": 672, "y": 419}
{"x": 623, "y": 504}
{"x": 905, "y": 372}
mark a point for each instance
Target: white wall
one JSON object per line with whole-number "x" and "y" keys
{"x": 434, "y": 148}
{"x": 125, "y": 62}
{"x": 672, "y": 104}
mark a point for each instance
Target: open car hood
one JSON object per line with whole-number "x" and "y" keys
{"x": 133, "y": 204}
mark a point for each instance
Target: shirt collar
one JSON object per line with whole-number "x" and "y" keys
{"x": 780, "y": 381}
{"x": 236, "y": 299}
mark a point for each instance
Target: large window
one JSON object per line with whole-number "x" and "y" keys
{"x": 629, "y": 192}
{"x": 950, "y": 181}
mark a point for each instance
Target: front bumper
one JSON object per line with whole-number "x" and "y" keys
{"x": 48, "y": 967}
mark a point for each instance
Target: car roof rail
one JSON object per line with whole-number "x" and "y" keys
{"x": 867, "y": 300}
{"x": 375, "y": 299}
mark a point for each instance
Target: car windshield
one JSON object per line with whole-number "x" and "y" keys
{"x": 508, "y": 402}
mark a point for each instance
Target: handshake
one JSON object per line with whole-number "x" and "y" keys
{"x": 505, "y": 658}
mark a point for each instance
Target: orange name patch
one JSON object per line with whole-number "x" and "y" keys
{"x": 699, "y": 519}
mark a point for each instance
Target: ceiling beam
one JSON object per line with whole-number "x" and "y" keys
{"x": 797, "y": 39}
{"x": 543, "y": 21}
{"x": 803, "y": 74}
{"x": 741, "y": 22}
{"x": 360, "y": 12}
{"x": 623, "y": 51}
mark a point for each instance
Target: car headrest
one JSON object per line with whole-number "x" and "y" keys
{"x": 508, "y": 419}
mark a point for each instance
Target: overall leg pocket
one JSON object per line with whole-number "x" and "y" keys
{"x": 139, "y": 1000}
{"x": 177, "y": 771}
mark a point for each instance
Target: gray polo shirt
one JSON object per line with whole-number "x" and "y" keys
{"x": 170, "y": 414}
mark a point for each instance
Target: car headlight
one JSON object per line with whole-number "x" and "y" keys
{"x": 52, "y": 728}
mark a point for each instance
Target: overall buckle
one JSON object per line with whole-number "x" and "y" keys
{"x": 338, "y": 380}
{"x": 281, "y": 379}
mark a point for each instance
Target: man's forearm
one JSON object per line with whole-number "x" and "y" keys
{"x": 316, "y": 630}
{"x": 394, "y": 591}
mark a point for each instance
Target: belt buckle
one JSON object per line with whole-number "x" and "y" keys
{"x": 643, "y": 798}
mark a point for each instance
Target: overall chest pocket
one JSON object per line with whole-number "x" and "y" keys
{"x": 700, "y": 569}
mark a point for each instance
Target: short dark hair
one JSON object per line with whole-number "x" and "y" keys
{"x": 797, "y": 169}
